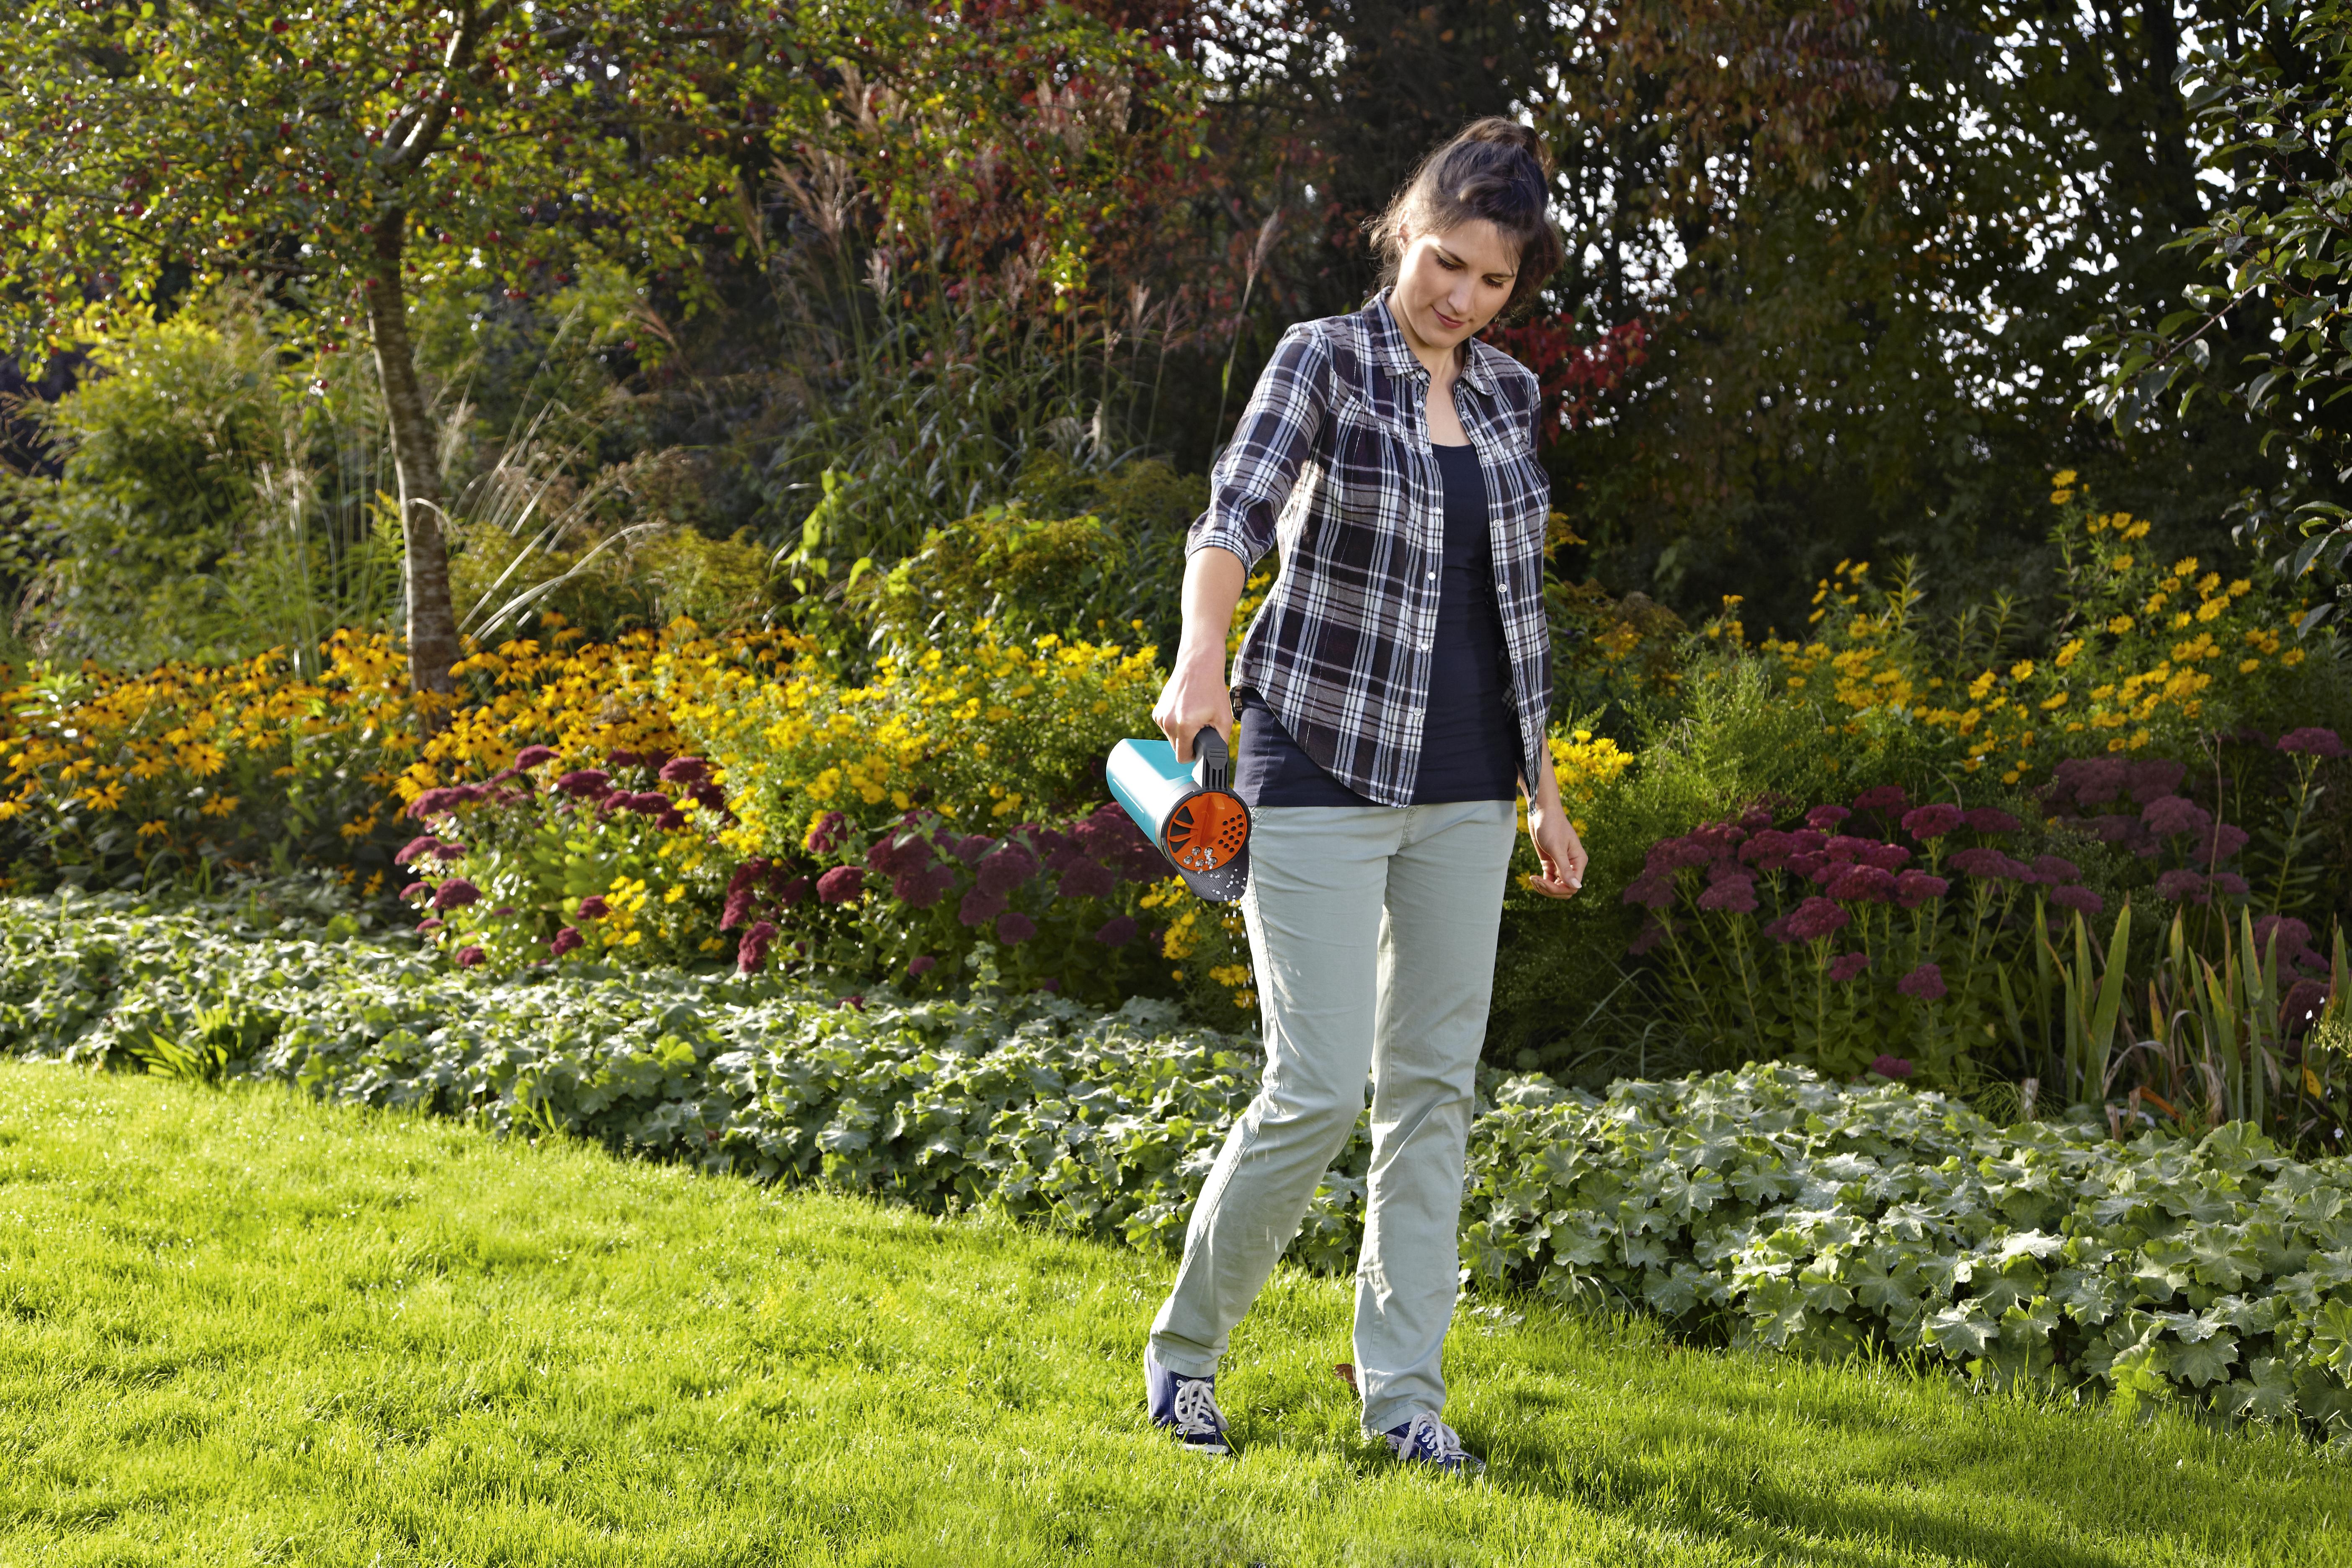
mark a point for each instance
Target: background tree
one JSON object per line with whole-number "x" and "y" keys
{"x": 343, "y": 157}
{"x": 2267, "y": 331}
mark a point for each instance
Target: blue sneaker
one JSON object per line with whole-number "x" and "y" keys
{"x": 1190, "y": 1405}
{"x": 1426, "y": 1440}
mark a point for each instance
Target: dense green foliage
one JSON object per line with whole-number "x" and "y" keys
{"x": 1795, "y": 1212}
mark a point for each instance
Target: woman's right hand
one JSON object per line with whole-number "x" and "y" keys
{"x": 1195, "y": 699}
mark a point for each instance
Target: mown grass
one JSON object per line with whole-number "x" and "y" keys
{"x": 235, "y": 1326}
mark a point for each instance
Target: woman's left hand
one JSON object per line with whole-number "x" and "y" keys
{"x": 1554, "y": 837}
{"x": 1559, "y": 850}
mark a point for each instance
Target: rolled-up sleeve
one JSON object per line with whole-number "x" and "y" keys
{"x": 1277, "y": 430}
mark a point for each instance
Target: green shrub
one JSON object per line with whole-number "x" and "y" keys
{"x": 1808, "y": 1217}
{"x": 212, "y": 501}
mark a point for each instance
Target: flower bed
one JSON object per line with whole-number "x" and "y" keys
{"x": 1793, "y": 1213}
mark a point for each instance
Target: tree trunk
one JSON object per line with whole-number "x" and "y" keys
{"x": 424, "y": 566}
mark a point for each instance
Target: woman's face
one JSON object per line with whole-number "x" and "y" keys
{"x": 1452, "y": 282}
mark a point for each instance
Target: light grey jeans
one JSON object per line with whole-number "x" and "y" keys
{"x": 1373, "y": 930}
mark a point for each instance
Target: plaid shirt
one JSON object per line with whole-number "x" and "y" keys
{"x": 1332, "y": 461}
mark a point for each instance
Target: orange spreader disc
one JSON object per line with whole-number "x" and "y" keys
{"x": 1205, "y": 831}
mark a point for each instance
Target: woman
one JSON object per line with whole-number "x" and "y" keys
{"x": 1396, "y": 686}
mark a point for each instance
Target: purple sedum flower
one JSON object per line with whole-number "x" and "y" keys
{"x": 1923, "y": 822}
{"x": 1815, "y": 918}
{"x": 1847, "y": 967}
{"x": 1925, "y": 984}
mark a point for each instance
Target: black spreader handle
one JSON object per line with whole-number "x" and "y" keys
{"x": 1216, "y": 762}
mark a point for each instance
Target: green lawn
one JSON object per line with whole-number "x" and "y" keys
{"x": 239, "y": 1328}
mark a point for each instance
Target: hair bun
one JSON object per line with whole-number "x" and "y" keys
{"x": 1505, "y": 133}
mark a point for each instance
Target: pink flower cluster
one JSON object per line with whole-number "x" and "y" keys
{"x": 923, "y": 863}
{"x": 1848, "y": 869}
{"x": 2137, "y": 807}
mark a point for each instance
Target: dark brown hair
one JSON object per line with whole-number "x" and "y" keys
{"x": 1494, "y": 169}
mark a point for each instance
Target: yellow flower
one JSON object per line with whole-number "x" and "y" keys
{"x": 2120, "y": 624}
{"x": 150, "y": 829}
{"x": 2121, "y": 563}
{"x": 2062, "y": 478}
{"x": 2248, "y": 666}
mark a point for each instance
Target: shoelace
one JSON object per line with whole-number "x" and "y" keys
{"x": 1427, "y": 1438}
{"x": 1196, "y": 1411}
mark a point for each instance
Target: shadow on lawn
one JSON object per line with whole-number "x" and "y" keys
{"x": 1695, "y": 1468}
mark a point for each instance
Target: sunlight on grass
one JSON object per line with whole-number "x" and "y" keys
{"x": 239, "y": 1328}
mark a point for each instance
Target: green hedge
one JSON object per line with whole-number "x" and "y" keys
{"x": 1767, "y": 1204}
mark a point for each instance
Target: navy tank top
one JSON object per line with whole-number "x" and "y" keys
{"x": 1470, "y": 734}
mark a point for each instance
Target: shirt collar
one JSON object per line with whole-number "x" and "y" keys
{"x": 1393, "y": 353}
